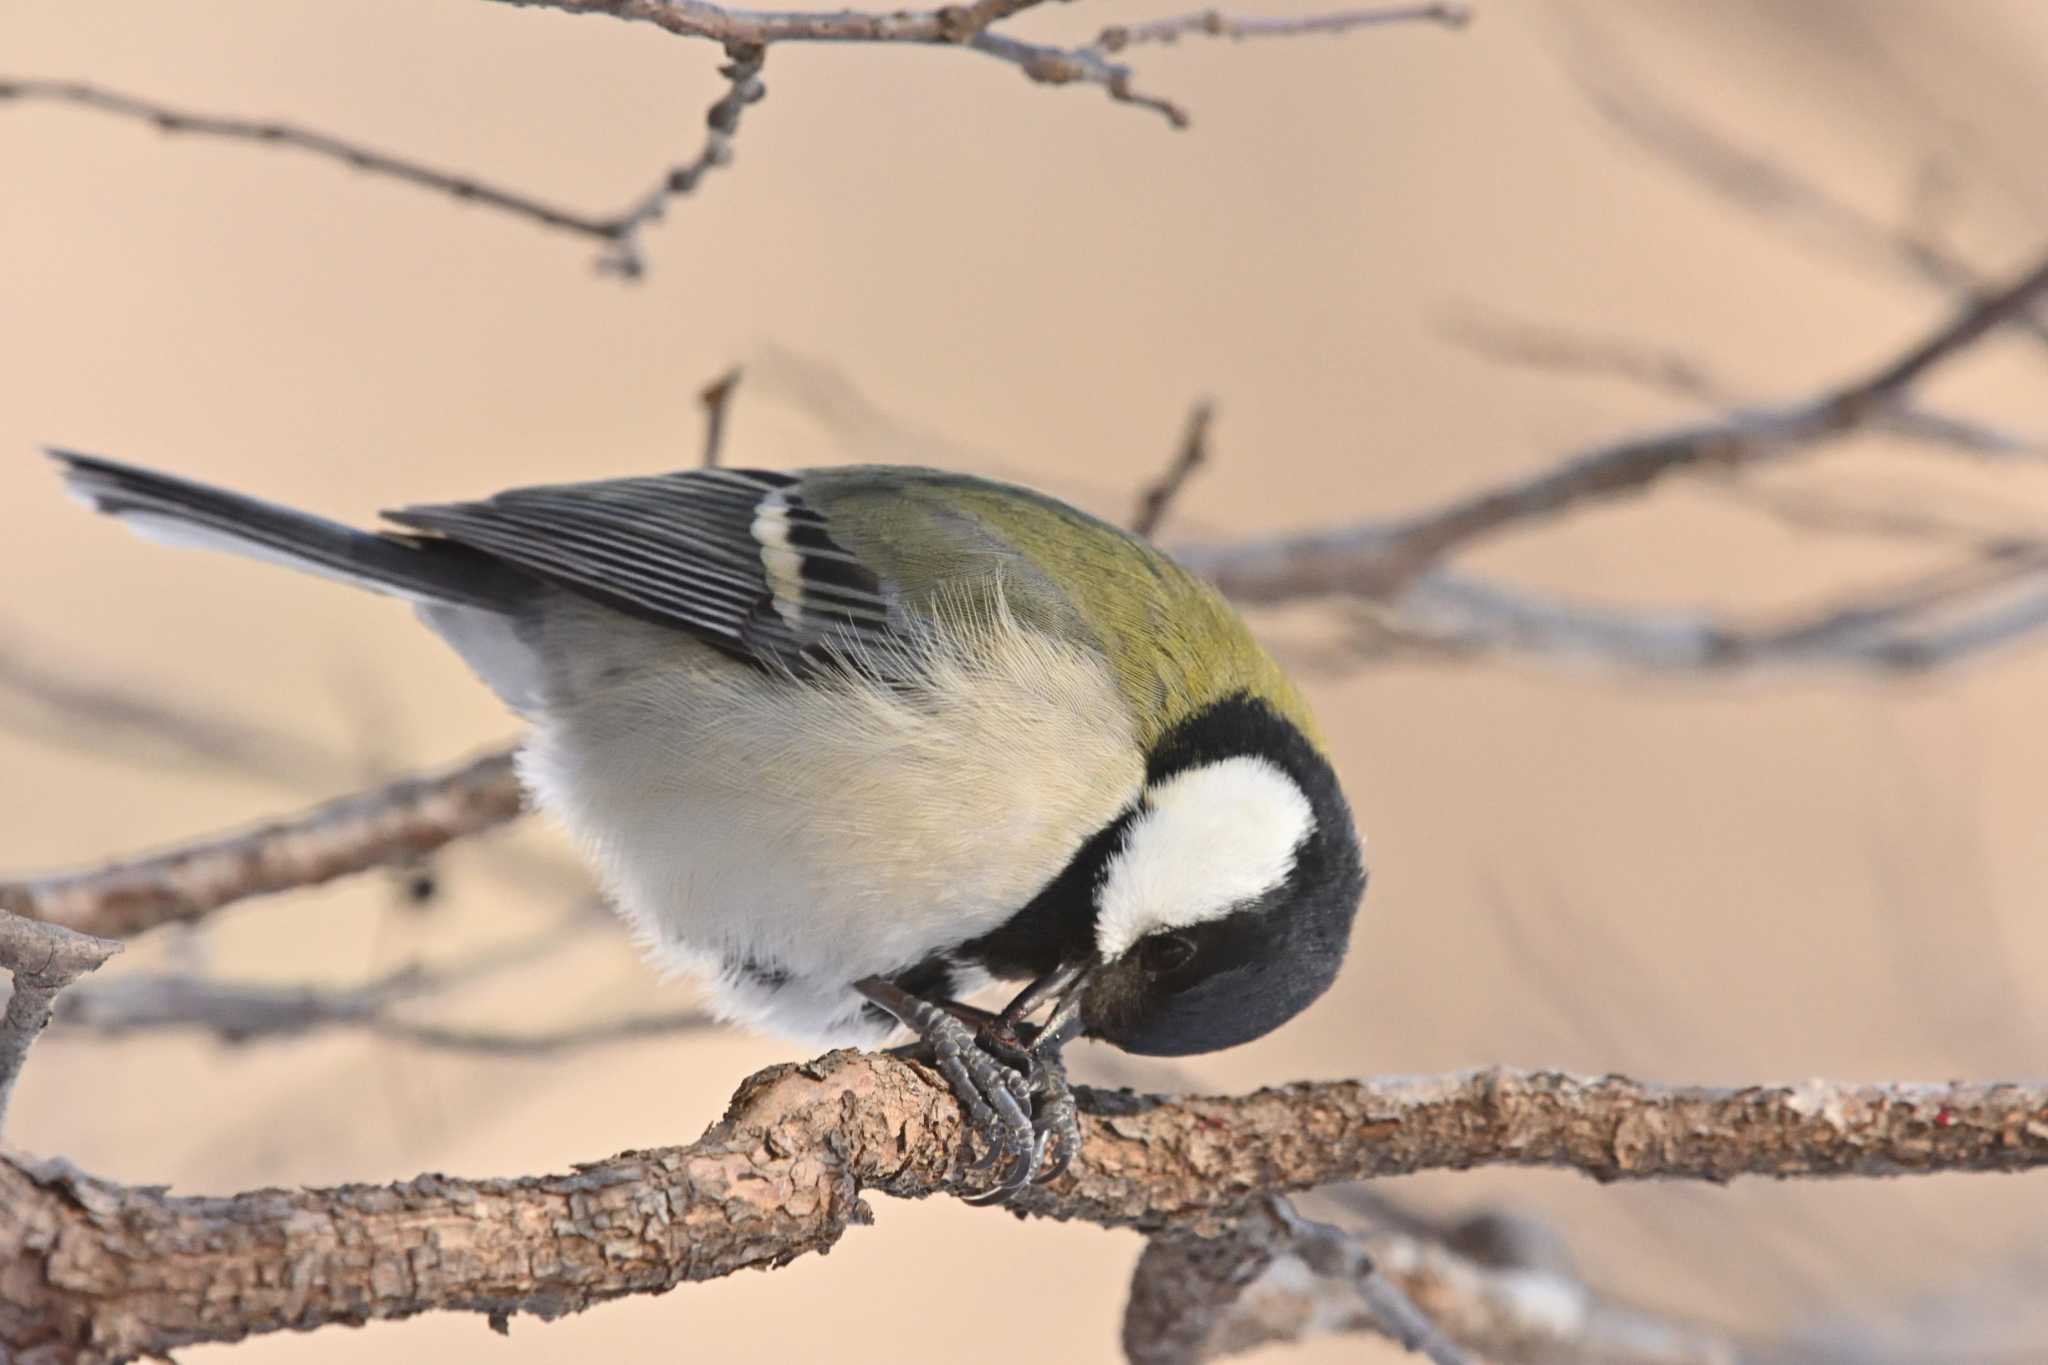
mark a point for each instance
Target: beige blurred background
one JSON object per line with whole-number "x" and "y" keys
{"x": 1716, "y": 881}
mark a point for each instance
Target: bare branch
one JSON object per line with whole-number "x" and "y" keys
{"x": 1050, "y": 65}
{"x": 1537, "y": 1314}
{"x": 782, "y": 1175}
{"x": 742, "y": 72}
{"x": 969, "y": 25}
{"x": 237, "y": 1012}
{"x": 746, "y": 36}
{"x": 42, "y": 959}
{"x": 717, "y": 399}
{"x": 1294, "y": 1278}
{"x": 625, "y": 1028}
{"x": 385, "y": 826}
{"x": 620, "y": 232}
{"x": 1215, "y": 24}
{"x": 1270, "y": 1276}
{"x": 170, "y": 120}
{"x": 1157, "y": 499}
{"x": 1893, "y": 519}
{"x": 1668, "y": 370}
{"x": 947, "y": 25}
{"x": 1377, "y": 558}
{"x": 1921, "y": 623}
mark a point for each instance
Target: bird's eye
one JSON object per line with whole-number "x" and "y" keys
{"x": 1164, "y": 954}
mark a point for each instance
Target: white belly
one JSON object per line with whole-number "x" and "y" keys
{"x": 819, "y": 833}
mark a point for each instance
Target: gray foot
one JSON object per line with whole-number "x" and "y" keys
{"x": 1017, "y": 1098}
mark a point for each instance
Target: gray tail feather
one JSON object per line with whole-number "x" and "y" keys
{"x": 180, "y": 511}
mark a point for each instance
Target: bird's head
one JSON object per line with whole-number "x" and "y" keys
{"x": 1222, "y": 901}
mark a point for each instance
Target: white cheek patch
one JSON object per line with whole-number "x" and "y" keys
{"x": 1207, "y": 840}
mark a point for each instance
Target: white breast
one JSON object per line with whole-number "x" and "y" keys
{"x": 823, "y": 832}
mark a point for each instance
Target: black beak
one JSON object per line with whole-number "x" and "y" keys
{"x": 1064, "y": 985}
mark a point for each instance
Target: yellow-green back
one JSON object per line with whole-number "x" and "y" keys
{"x": 1173, "y": 644}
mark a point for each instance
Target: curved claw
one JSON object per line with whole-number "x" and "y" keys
{"x": 1059, "y": 1119}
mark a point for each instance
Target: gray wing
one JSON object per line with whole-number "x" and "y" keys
{"x": 736, "y": 557}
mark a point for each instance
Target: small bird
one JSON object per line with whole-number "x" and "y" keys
{"x": 852, "y": 743}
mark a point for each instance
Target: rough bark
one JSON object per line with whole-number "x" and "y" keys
{"x": 92, "y": 1271}
{"x": 41, "y": 960}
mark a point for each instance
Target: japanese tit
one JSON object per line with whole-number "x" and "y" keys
{"x": 851, "y": 743}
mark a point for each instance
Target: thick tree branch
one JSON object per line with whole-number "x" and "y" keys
{"x": 385, "y": 826}
{"x": 42, "y": 960}
{"x": 93, "y": 1271}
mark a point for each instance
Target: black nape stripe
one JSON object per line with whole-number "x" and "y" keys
{"x": 1237, "y": 725}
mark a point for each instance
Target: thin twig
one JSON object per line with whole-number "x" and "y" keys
{"x": 246, "y": 1011}
{"x": 243, "y": 1012}
{"x": 746, "y": 36}
{"x": 625, "y": 1028}
{"x": 132, "y": 1269}
{"x": 742, "y": 72}
{"x": 1668, "y": 370}
{"x": 1193, "y": 453}
{"x": 947, "y": 25}
{"x": 171, "y": 120}
{"x": 717, "y": 399}
{"x": 1899, "y": 518}
{"x": 1923, "y": 622}
{"x": 1050, "y": 65}
{"x": 1335, "y": 1256}
{"x": 619, "y": 232}
{"x": 1215, "y": 24}
{"x": 42, "y": 959}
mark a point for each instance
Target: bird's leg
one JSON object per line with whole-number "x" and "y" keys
{"x": 996, "y": 1095}
{"x": 1056, "y": 1117}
